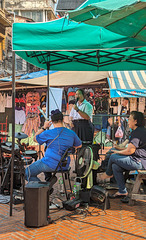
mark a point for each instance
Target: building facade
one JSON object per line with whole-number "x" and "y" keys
{"x": 37, "y": 10}
{"x": 4, "y": 23}
{"x": 21, "y": 11}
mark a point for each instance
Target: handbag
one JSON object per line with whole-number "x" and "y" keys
{"x": 119, "y": 133}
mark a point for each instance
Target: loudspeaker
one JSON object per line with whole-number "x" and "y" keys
{"x": 37, "y": 203}
{"x": 99, "y": 196}
{"x": 96, "y": 196}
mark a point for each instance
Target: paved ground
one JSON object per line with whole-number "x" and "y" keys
{"x": 121, "y": 222}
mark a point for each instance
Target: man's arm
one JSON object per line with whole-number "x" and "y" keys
{"x": 128, "y": 151}
{"x": 37, "y": 133}
{"x": 77, "y": 146}
{"x": 82, "y": 114}
{"x": 47, "y": 124}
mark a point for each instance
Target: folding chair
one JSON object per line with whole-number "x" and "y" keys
{"x": 62, "y": 163}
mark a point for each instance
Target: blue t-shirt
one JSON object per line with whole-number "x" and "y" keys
{"x": 138, "y": 139}
{"x": 54, "y": 152}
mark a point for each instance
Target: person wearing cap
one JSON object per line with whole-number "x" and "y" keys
{"x": 80, "y": 117}
{"x": 57, "y": 140}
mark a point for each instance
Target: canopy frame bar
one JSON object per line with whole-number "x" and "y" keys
{"x": 85, "y": 58}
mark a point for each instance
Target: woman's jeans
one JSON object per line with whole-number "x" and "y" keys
{"x": 117, "y": 164}
{"x": 36, "y": 168}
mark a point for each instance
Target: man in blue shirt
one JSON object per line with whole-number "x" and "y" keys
{"x": 57, "y": 141}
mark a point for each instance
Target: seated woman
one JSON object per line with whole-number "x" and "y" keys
{"x": 131, "y": 158}
{"x": 57, "y": 140}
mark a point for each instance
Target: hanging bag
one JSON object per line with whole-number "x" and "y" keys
{"x": 119, "y": 133}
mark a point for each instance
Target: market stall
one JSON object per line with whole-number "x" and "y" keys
{"x": 68, "y": 46}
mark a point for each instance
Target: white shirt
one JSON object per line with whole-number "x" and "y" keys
{"x": 2, "y": 102}
{"x": 20, "y": 117}
{"x": 9, "y": 101}
{"x": 85, "y": 107}
{"x": 124, "y": 111}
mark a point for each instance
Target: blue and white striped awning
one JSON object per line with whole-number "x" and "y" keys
{"x": 127, "y": 84}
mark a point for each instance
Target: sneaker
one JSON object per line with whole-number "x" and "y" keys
{"x": 53, "y": 206}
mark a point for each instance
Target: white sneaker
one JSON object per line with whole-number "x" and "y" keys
{"x": 53, "y": 206}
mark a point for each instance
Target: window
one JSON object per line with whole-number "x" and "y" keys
{"x": 37, "y": 16}
{"x": 19, "y": 64}
{"x": 16, "y": 12}
{"x": 1, "y": 4}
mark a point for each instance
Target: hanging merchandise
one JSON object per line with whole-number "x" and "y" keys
{"x": 71, "y": 95}
{"x": 32, "y": 113}
{"x": 20, "y": 105}
{"x": 64, "y": 101}
{"x": 42, "y": 119}
{"x": 101, "y": 100}
{"x": 114, "y": 103}
{"x": 133, "y": 104}
{"x": 90, "y": 96}
{"x": 9, "y": 101}
{"x": 42, "y": 99}
{"x": 141, "y": 105}
{"x": 20, "y": 116}
{"x": 2, "y": 102}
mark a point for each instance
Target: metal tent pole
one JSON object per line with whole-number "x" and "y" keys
{"x": 48, "y": 69}
{"x": 13, "y": 130}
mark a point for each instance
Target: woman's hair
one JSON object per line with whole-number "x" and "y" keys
{"x": 56, "y": 116}
{"x": 82, "y": 91}
{"x": 139, "y": 117}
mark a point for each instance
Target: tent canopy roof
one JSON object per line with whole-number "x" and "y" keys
{"x": 127, "y": 84}
{"x": 68, "y": 78}
{"x": 69, "y": 46}
{"x": 125, "y": 17}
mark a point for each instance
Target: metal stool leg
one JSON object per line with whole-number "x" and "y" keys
{"x": 64, "y": 186}
{"x": 69, "y": 181}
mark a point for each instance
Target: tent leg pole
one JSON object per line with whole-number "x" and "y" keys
{"x": 13, "y": 131}
{"x": 48, "y": 69}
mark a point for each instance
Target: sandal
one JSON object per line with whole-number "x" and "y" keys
{"x": 115, "y": 195}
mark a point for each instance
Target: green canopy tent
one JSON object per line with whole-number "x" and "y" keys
{"x": 125, "y": 17}
{"x": 67, "y": 46}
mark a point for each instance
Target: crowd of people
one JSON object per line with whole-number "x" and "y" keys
{"x": 132, "y": 156}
